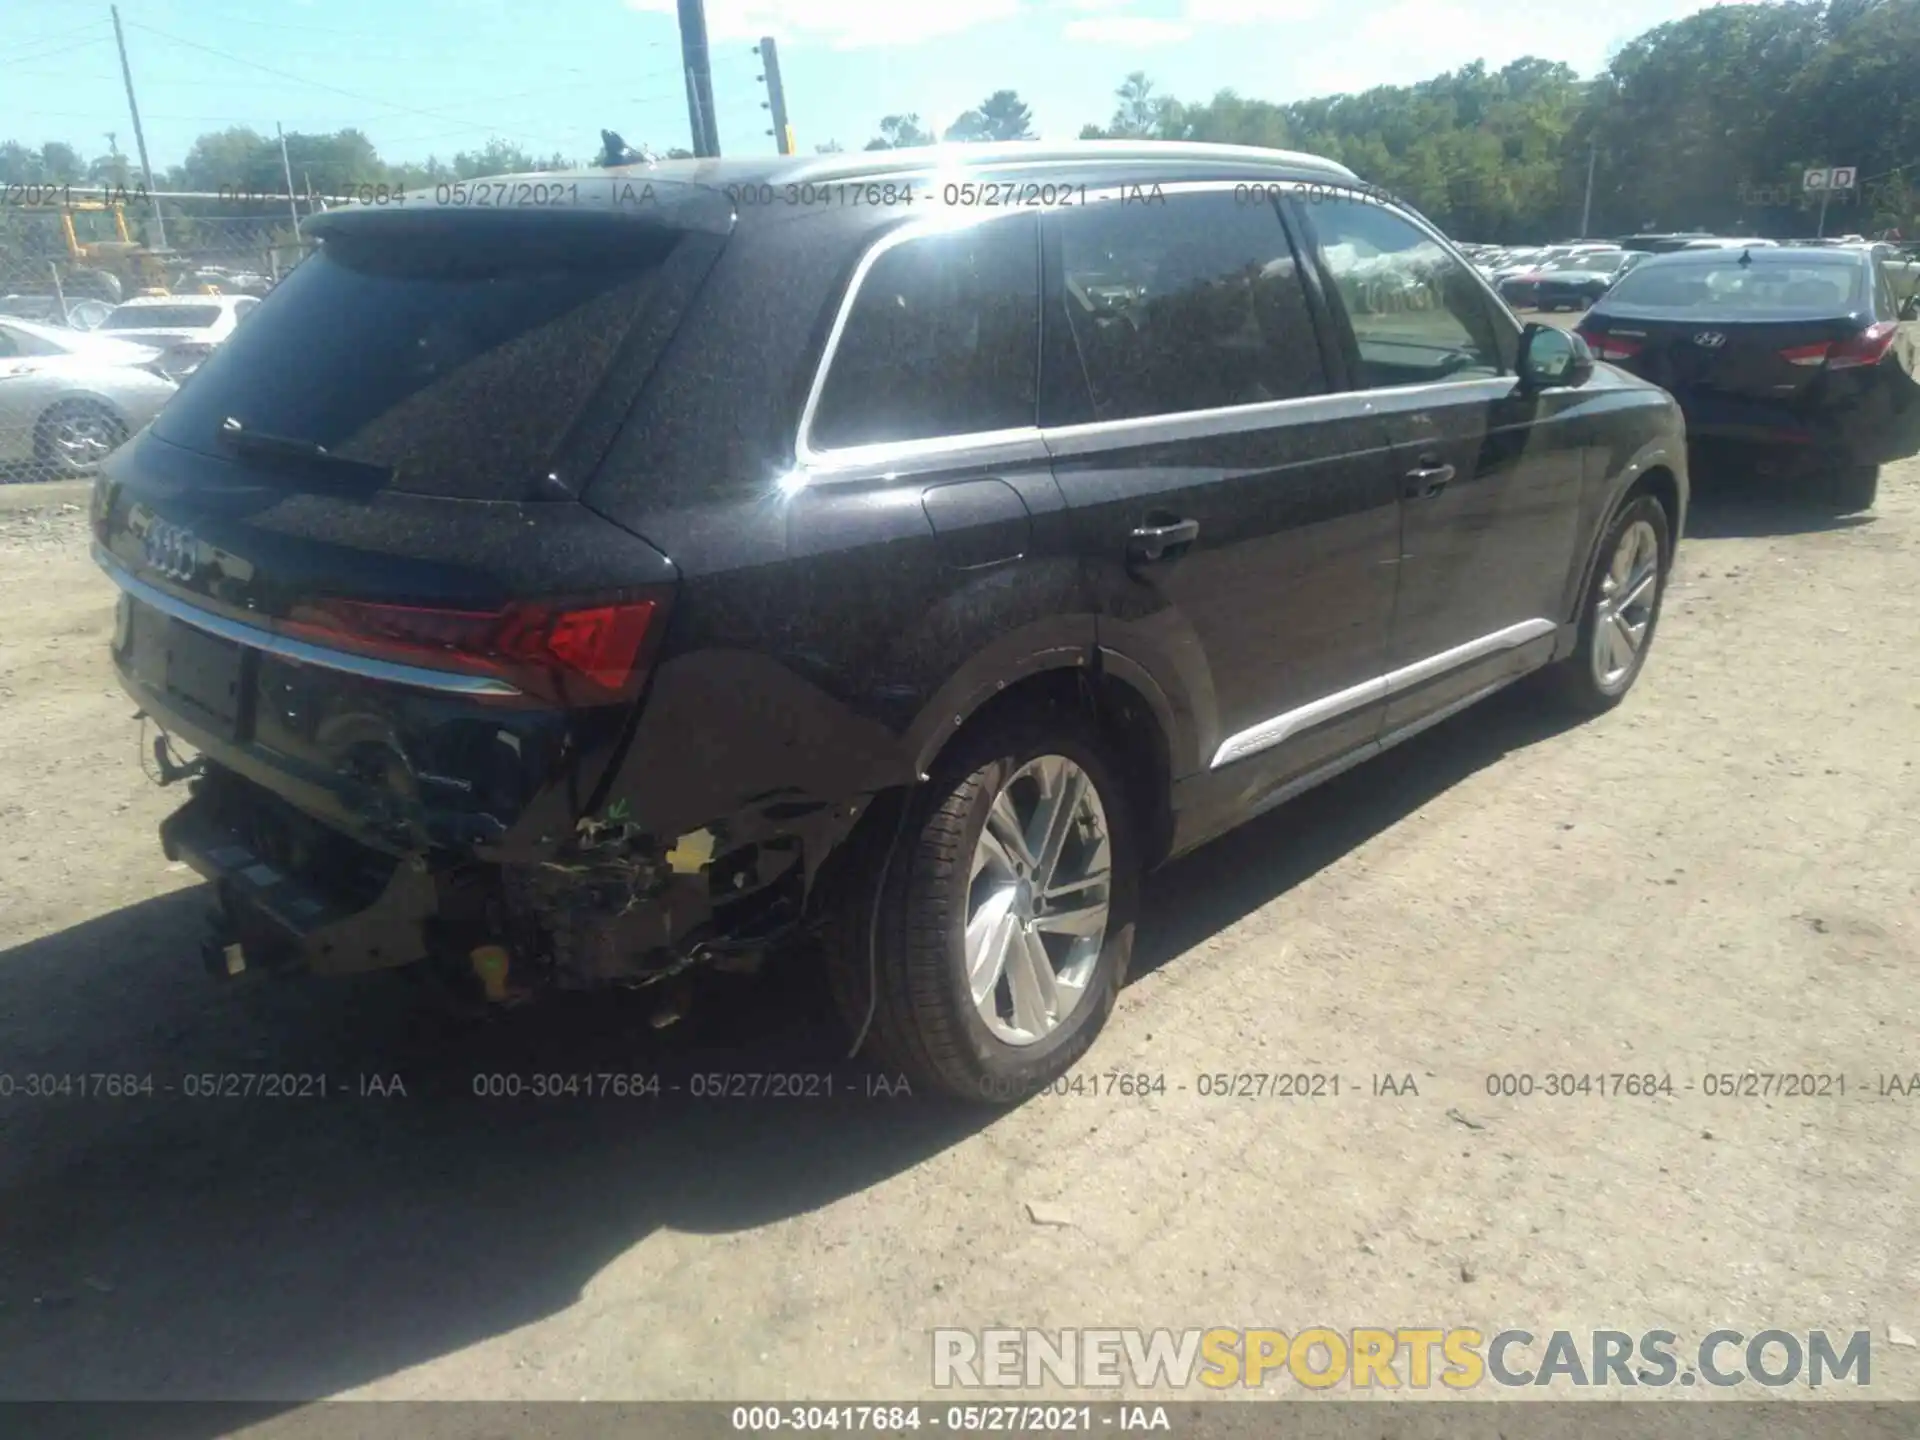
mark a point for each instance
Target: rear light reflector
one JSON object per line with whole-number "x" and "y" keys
{"x": 569, "y": 654}
{"x": 1869, "y": 347}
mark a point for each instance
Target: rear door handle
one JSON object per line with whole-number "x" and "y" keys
{"x": 1152, "y": 542}
{"x": 1428, "y": 479}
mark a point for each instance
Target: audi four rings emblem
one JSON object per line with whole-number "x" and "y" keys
{"x": 1712, "y": 339}
{"x": 170, "y": 550}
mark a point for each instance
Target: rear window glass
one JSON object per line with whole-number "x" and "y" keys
{"x": 942, "y": 340}
{"x": 1601, "y": 260}
{"x": 461, "y": 365}
{"x": 155, "y": 317}
{"x": 1733, "y": 288}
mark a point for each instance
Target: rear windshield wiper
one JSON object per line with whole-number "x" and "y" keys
{"x": 283, "y": 447}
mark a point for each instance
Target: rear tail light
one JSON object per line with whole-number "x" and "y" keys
{"x": 1869, "y": 347}
{"x": 569, "y": 654}
{"x": 1609, "y": 347}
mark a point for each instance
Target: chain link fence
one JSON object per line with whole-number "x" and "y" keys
{"x": 108, "y": 299}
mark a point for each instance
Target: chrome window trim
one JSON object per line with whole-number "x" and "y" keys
{"x": 1223, "y": 420}
{"x": 299, "y": 651}
{"x": 1502, "y": 313}
{"x": 805, "y": 453}
{"x": 1273, "y": 731}
{"x": 1028, "y": 443}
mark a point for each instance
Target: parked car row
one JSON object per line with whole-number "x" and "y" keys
{"x": 70, "y": 394}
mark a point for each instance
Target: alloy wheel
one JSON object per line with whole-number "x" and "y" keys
{"x": 1038, "y": 900}
{"x": 1623, "y": 611}
{"x": 82, "y": 439}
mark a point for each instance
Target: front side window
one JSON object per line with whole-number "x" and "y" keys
{"x": 942, "y": 340}
{"x": 1417, "y": 314}
{"x": 1191, "y": 302}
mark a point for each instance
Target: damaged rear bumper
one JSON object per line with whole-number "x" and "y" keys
{"x": 370, "y": 913}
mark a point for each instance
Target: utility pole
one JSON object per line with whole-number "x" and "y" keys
{"x": 776, "y": 101}
{"x": 286, "y": 168}
{"x": 693, "y": 52}
{"x": 1586, "y": 208}
{"x": 1820, "y": 230}
{"x": 139, "y": 138}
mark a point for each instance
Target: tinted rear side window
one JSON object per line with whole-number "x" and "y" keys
{"x": 462, "y": 365}
{"x": 942, "y": 340}
{"x": 1190, "y": 303}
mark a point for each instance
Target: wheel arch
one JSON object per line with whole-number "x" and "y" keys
{"x": 1658, "y": 469}
{"x": 1131, "y": 711}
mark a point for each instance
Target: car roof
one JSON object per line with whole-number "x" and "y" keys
{"x": 1009, "y": 155}
{"x": 1769, "y": 255}
{"x": 76, "y": 342}
{"x": 695, "y": 193}
{"x": 145, "y": 302}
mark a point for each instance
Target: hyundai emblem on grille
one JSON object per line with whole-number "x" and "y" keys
{"x": 1712, "y": 339}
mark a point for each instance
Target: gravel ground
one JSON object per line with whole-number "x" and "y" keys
{"x": 1720, "y": 876}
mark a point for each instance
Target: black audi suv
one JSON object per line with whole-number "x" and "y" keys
{"x": 575, "y": 580}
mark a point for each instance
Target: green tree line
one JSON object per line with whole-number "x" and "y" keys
{"x": 1706, "y": 122}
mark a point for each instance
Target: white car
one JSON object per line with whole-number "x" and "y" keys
{"x": 69, "y": 398}
{"x": 184, "y": 327}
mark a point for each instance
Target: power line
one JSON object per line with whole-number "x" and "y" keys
{"x": 63, "y": 50}
{"x": 31, "y": 40}
{"x": 314, "y": 84}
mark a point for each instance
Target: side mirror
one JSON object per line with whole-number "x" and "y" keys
{"x": 1551, "y": 357}
{"x": 1910, "y": 308}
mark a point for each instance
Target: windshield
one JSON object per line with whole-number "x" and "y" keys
{"x": 460, "y": 366}
{"x": 156, "y": 317}
{"x": 1812, "y": 288}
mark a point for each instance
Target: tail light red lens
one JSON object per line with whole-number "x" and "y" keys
{"x": 1869, "y": 347}
{"x": 564, "y": 654}
{"x": 1609, "y": 347}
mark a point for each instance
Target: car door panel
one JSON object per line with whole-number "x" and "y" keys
{"x": 1484, "y": 560}
{"x": 1490, "y": 473}
{"x": 1280, "y": 593}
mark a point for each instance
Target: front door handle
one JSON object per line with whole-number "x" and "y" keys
{"x": 1428, "y": 478}
{"x": 1152, "y": 542}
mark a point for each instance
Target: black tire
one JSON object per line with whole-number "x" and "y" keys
{"x": 1576, "y": 680}
{"x": 1849, "y": 488}
{"x": 58, "y": 459}
{"x": 923, "y": 1023}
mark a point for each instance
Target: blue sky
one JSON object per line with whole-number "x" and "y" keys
{"x": 436, "y": 76}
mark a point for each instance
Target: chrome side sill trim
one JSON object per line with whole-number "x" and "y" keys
{"x": 1271, "y": 732}
{"x": 1421, "y": 671}
{"x": 1318, "y": 776}
{"x": 299, "y": 651}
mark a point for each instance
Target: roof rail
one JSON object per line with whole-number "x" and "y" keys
{"x": 1033, "y": 152}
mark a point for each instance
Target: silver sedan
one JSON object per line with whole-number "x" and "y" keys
{"x": 69, "y": 398}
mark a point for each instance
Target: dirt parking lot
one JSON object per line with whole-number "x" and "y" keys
{"x": 1721, "y": 876}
